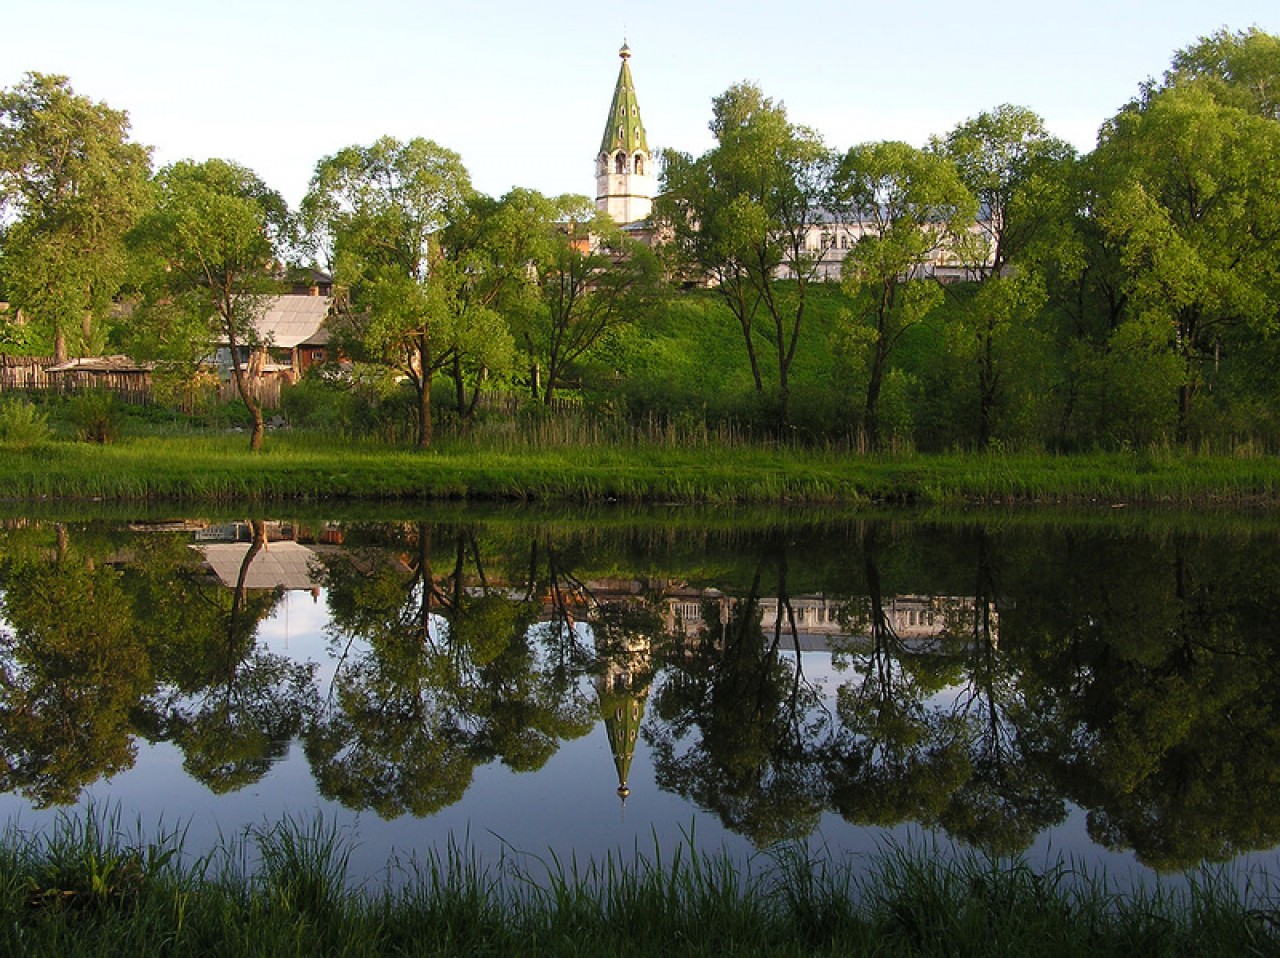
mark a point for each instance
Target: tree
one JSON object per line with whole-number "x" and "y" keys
{"x": 591, "y": 280}
{"x": 896, "y": 756}
{"x": 912, "y": 207}
{"x": 232, "y": 707}
{"x": 489, "y": 249}
{"x": 71, "y": 186}
{"x": 745, "y": 214}
{"x": 1190, "y": 202}
{"x": 1009, "y": 162}
{"x": 1239, "y": 69}
{"x": 382, "y": 212}
{"x": 215, "y": 236}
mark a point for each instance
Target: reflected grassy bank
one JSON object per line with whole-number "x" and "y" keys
{"x": 91, "y": 887}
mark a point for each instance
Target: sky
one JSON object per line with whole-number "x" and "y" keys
{"x": 521, "y": 90}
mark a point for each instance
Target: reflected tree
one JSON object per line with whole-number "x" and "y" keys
{"x": 229, "y": 705}
{"x": 521, "y": 702}
{"x": 73, "y": 666}
{"x": 899, "y": 755}
{"x": 736, "y": 726}
{"x": 1007, "y": 799}
{"x": 1157, "y": 676}
{"x": 437, "y": 674}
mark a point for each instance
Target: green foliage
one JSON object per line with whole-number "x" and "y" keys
{"x": 22, "y": 424}
{"x": 386, "y": 217}
{"x": 317, "y": 403}
{"x": 96, "y": 416}
{"x": 592, "y": 283}
{"x": 150, "y": 897}
{"x": 741, "y": 214}
{"x": 71, "y": 186}
{"x": 1192, "y": 209}
{"x": 914, "y": 208}
{"x": 193, "y": 390}
{"x": 211, "y": 244}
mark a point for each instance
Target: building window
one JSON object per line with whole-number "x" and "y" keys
{"x": 620, "y": 163}
{"x": 640, "y": 164}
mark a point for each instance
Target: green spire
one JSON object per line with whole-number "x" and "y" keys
{"x": 624, "y": 131}
{"x": 622, "y": 712}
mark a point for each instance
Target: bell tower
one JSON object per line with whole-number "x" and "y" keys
{"x": 625, "y": 180}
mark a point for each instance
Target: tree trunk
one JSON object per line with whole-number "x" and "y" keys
{"x": 242, "y": 387}
{"x": 986, "y": 391}
{"x": 425, "y": 430}
{"x": 871, "y": 412}
{"x": 751, "y": 354}
{"x": 459, "y": 389}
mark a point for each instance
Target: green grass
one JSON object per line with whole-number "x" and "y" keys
{"x": 89, "y": 887}
{"x": 575, "y": 467}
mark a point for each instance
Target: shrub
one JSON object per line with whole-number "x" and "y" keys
{"x": 193, "y": 391}
{"x": 318, "y": 404}
{"x": 22, "y": 424}
{"x": 96, "y": 416}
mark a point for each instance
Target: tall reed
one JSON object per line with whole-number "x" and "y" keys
{"x": 88, "y": 887}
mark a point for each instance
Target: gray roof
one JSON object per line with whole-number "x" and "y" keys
{"x": 102, "y": 364}
{"x": 293, "y": 320}
{"x": 278, "y": 564}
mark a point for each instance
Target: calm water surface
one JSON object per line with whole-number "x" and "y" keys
{"x": 1107, "y": 690}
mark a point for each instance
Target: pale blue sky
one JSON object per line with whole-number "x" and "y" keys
{"x": 520, "y": 90}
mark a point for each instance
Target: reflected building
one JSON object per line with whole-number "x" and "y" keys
{"x": 245, "y": 556}
{"x": 825, "y": 624}
{"x": 624, "y": 639}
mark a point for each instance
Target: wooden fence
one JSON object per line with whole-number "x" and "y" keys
{"x": 30, "y": 374}
{"x": 265, "y": 389}
{"x": 24, "y": 372}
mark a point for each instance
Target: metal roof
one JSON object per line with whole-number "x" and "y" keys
{"x": 623, "y": 130}
{"x": 292, "y": 320}
{"x": 102, "y": 364}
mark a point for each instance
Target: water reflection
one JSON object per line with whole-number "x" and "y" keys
{"x": 978, "y": 681}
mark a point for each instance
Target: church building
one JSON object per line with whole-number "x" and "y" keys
{"x": 626, "y": 180}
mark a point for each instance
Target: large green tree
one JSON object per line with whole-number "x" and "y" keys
{"x": 1012, "y": 165}
{"x": 1240, "y": 69}
{"x": 489, "y": 248}
{"x": 912, "y": 209}
{"x": 382, "y": 213}
{"x": 1189, "y": 200}
{"x": 591, "y": 280}
{"x": 71, "y": 186}
{"x": 748, "y": 213}
{"x": 214, "y": 240}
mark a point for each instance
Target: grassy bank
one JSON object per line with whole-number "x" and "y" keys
{"x": 86, "y": 889}
{"x": 200, "y": 467}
